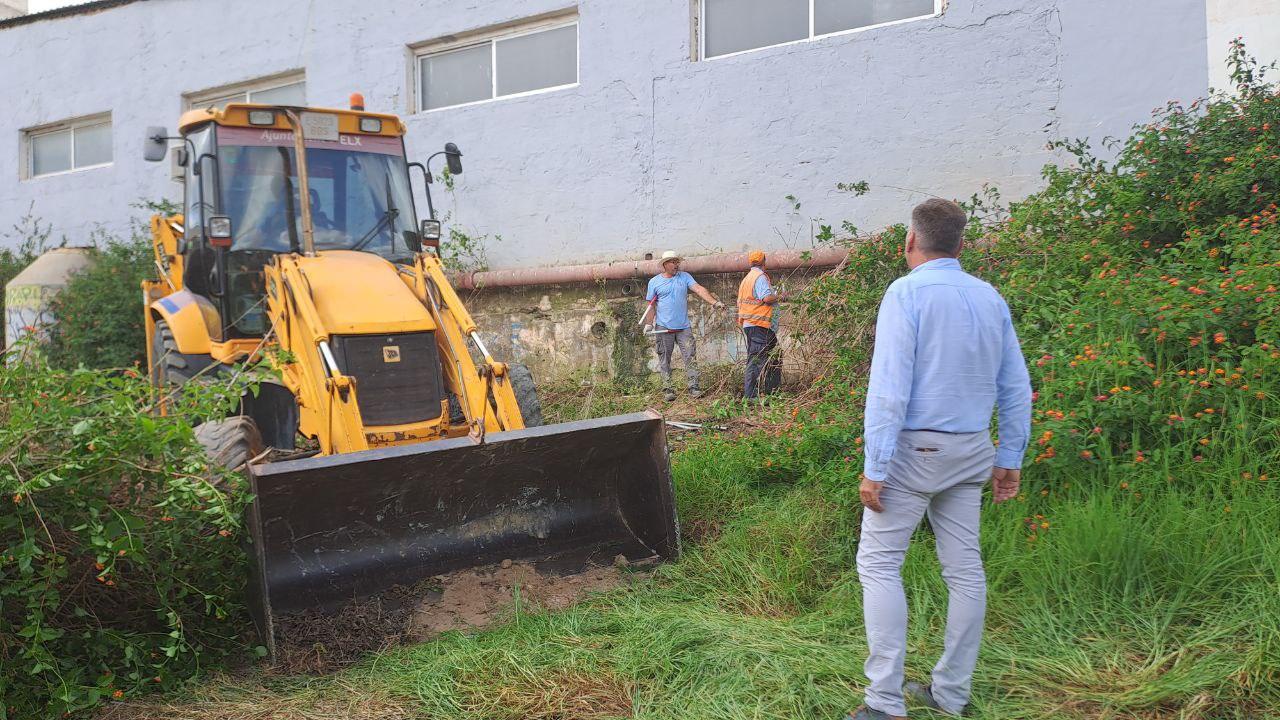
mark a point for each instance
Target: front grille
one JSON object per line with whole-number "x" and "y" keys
{"x": 397, "y": 376}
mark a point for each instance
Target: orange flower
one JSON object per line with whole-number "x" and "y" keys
{"x": 118, "y": 694}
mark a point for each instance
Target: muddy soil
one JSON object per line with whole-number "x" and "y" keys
{"x": 321, "y": 642}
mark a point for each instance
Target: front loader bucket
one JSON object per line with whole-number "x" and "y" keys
{"x": 327, "y": 530}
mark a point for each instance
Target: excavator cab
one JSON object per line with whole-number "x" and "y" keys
{"x": 244, "y": 204}
{"x": 421, "y": 453}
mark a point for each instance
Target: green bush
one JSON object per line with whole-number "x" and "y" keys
{"x": 99, "y": 313}
{"x": 119, "y": 565}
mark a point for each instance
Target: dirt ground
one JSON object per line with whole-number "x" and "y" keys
{"x": 314, "y": 642}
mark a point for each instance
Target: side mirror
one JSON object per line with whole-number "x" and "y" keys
{"x": 453, "y": 157}
{"x": 156, "y": 145}
{"x": 431, "y": 233}
{"x": 412, "y": 240}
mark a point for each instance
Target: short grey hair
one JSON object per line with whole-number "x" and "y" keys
{"x": 939, "y": 226}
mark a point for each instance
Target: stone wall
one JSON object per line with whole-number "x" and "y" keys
{"x": 590, "y": 328}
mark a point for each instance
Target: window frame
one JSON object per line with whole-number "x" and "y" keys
{"x": 202, "y": 98}
{"x": 700, "y": 10}
{"x": 491, "y": 36}
{"x": 69, "y": 126}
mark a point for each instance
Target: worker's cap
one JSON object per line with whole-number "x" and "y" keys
{"x": 670, "y": 255}
{"x": 756, "y": 257}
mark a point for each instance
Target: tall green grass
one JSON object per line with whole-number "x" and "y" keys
{"x": 1166, "y": 606}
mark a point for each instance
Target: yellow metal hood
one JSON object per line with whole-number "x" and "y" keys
{"x": 359, "y": 293}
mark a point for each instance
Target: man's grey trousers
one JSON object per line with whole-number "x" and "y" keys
{"x": 666, "y": 344}
{"x": 941, "y": 474}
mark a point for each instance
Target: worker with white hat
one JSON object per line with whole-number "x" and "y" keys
{"x": 668, "y": 298}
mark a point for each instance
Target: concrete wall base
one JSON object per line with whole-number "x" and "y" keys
{"x": 593, "y": 328}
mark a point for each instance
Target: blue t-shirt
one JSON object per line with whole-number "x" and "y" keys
{"x": 673, "y": 299}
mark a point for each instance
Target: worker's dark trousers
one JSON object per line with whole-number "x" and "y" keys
{"x": 764, "y": 361}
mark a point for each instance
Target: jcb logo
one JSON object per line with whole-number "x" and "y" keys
{"x": 391, "y": 353}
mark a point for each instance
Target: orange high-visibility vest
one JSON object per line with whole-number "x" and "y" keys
{"x": 750, "y": 310}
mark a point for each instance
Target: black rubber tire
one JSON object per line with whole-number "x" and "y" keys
{"x": 171, "y": 368}
{"x": 526, "y": 394}
{"x": 232, "y": 442}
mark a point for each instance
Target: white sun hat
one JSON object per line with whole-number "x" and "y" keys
{"x": 670, "y": 255}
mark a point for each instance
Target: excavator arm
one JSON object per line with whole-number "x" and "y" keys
{"x": 484, "y": 388}
{"x": 326, "y": 397}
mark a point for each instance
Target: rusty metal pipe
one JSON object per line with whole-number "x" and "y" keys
{"x": 628, "y": 269}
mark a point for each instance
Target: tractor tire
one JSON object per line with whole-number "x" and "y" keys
{"x": 526, "y": 394}
{"x": 232, "y": 442}
{"x": 171, "y": 368}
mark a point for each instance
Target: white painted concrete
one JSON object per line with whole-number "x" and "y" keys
{"x": 1257, "y": 21}
{"x": 650, "y": 150}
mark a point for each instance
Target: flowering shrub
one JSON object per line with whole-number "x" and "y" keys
{"x": 1145, "y": 295}
{"x": 119, "y": 565}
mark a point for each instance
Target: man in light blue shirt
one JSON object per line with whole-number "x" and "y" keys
{"x": 946, "y": 354}
{"x": 668, "y": 297}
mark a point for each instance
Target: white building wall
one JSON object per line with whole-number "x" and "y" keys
{"x": 650, "y": 150}
{"x": 1256, "y": 21}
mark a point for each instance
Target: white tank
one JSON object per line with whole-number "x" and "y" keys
{"x": 27, "y": 296}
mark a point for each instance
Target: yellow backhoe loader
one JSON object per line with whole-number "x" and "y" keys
{"x": 420, "y": 453}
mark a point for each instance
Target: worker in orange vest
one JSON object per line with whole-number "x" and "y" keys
{"x": 756, "y": 300}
